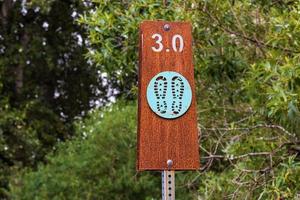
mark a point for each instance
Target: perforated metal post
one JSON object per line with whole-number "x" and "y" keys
{"x": 168, "y": 183}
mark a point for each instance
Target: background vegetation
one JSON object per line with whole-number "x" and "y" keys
{"x": 247, "y": 68}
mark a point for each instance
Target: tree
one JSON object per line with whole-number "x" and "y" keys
{"x": 45, "y": 80}
{"x": 246, "y": 63}
{"x": 247, "y": 69}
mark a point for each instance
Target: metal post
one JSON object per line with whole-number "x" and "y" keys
{"x": 168, "y": 183}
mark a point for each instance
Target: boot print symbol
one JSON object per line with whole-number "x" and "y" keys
{"x": 177, "y": 93}
{"x": 160, "y": 90}
{"x": 169, "y": 94}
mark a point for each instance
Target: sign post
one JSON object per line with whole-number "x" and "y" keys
{"x": 167, "y": 121}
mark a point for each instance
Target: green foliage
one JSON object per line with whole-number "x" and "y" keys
{"x": 247, "y": 69}
{"x": 26, "y": 135}
{"x": 44, "y": 5}
{"x": 113, "y": 32}
{"x": 45, "y": 81}
{"x": 100, "y": 164}
{"x": 249, "y": 48}
{"x": 247, "y": 75}
{"x": 226, "y": 185}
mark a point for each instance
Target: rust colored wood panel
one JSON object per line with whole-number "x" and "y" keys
{"x": 161, "y": 139}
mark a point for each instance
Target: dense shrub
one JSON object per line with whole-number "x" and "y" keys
{"x": 99, "y": 164}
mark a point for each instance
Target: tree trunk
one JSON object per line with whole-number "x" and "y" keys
{"x": 6, "y": 8}
{"x": 19, "y": 70}
{"x": 7, "y": 5}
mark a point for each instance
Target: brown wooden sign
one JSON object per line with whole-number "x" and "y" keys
{"x": 167, "y": 121}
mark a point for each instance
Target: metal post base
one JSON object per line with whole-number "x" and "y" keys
{"x": 168, "y": 185}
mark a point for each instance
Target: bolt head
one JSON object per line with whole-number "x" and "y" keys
{"x": 169, "y": 163}
{"x": 167, "y": 27}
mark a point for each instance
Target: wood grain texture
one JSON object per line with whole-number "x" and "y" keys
{"x": 161, "y": 139}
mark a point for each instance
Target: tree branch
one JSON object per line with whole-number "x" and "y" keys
{"x": 272, "y": 126}
{"x": 252, "y": 40}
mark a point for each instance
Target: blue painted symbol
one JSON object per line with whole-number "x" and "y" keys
{"x": 169, "y": 94}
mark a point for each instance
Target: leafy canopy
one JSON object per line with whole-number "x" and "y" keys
{"x": 247, "y": 69}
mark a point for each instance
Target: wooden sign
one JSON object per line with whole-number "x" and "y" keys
{"x": 167, "y": 121}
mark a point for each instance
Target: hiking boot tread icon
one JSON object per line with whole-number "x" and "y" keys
{"x": 160, "y": 91}
{"x": 169, "y": 94}
{"x": 177, "y": 86}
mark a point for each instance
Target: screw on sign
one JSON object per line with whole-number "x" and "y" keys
{"x": 167, "y": 121}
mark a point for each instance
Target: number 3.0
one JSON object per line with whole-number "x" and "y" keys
{"x": 159, "y": 47}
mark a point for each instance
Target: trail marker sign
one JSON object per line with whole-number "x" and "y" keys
{"x": 167, "y": 121}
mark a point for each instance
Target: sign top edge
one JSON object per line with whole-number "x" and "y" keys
{"x": 164, "y": 21}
